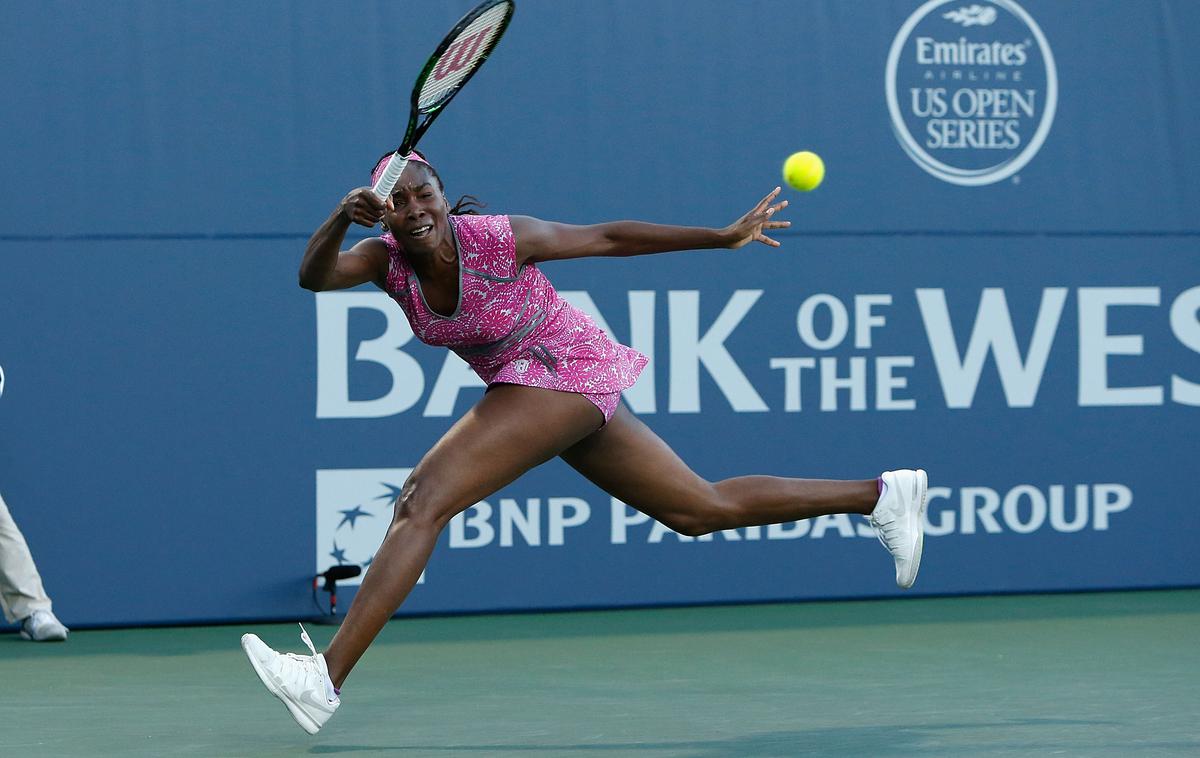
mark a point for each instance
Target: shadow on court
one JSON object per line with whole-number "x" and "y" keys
{"x": 1012, "y": 736}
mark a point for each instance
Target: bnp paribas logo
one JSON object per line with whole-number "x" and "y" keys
{"x": 354, "y": 510}
{"x": 971, "y": 88}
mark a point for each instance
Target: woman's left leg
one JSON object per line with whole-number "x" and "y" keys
{"x": 632, "y": 463}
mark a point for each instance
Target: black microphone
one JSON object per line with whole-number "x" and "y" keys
{"x": 332, "y": 576}
{"x": 335, "y": 574}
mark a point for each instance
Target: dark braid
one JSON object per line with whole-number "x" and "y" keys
{"x": 466, "y": 204}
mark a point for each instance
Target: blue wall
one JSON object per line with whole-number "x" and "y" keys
{"x": 160, "y": 443}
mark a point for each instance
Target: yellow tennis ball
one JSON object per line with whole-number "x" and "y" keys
{"x": 804, "y": 171}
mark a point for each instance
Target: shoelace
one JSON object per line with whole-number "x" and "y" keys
{"x": 308, "y": 662}
{"x": 885, "y": 530}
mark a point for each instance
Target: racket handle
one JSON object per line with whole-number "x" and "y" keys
{"x": 389, "y": 177}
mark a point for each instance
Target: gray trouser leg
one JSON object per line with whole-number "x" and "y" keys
{"x": 21, "y": 591}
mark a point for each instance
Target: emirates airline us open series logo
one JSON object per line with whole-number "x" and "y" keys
{"x": 971, "y": 89}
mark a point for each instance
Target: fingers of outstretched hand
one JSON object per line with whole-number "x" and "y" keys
{"x": 765, "y": 215}
{"x": 770, "y": 197}
{"x": 749, "y": 227}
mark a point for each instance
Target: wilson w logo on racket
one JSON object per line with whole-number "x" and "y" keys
{"x": 450, "y": 67}
{"x": 460, "y": 55}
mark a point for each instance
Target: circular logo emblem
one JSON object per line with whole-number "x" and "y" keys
{"x": 971, "y": 89}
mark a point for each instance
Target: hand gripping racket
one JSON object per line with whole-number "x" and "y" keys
{"x": 446, "y": 72}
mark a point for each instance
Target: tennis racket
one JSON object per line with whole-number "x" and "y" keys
{"x": 446, "y": 72}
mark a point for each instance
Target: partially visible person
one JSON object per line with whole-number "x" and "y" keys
{"x": 22, "y": 595}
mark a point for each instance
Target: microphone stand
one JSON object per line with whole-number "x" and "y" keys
{"x": 331, "y": 577}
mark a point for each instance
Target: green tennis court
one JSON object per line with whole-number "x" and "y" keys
{"x": 1110, "y": 674}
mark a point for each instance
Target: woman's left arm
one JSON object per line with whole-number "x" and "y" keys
{"x": 539, "y": 240}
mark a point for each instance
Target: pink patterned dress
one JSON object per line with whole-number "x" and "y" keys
{"x": 510, "y": 325}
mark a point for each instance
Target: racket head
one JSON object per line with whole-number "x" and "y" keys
{"x": 460, "y": 55}
{"x": 453, "y": 63}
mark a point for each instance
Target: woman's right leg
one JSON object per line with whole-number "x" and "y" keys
{"x": 511, "y": 430}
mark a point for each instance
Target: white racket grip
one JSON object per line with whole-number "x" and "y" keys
{"x": 389, "y": 177}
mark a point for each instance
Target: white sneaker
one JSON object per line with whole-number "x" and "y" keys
{"x": 898, "y": 520}
{"x": 43, "y": 626}
{"x": 298, "y": 680}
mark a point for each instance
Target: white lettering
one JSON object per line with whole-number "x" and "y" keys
{"x": 961, "y": 52}
{"x": 1185, "y": 323}
{"x": 865, "y": 320}
{"x": 791, "y": 380}
{"x": 1096, "y": 344}
{"x": 1058, "y": 509}
{"x": 981, "y": 502}
{"x": 476, "y": 517}
{"x": 933, "y": 104}
{"x": 1037, "y": 509}
{"x": 623, "y": 517}
{"x": 1110, "y": 498}
{"x": 689, "y": 351}
{"x": 992, "y": 332}
{"x": 1022, "y": 509}
{"x": 789, "y": 530}
{"x": 856, "y": 382}
{"x": 886, "y": 383}
{"x": 333, "y": 365}
{"x": 944, "y": 525}
{"x": 839, "y": 322}
{"x": 456, "y": 375}
{"x": 527, "y": 521}
{"x": 579, "y": 509}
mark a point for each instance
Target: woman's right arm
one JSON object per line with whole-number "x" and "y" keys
{"x": 326, "y": 266}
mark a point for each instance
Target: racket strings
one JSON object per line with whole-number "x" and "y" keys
{"x": 463, "y": 56}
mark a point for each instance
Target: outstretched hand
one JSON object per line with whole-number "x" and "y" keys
{"x": 750, "y": 227}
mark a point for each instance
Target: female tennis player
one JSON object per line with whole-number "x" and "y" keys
{"x": 472, "y": 283}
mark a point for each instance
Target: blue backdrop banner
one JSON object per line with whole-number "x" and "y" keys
{"x": 999, "y": 281}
